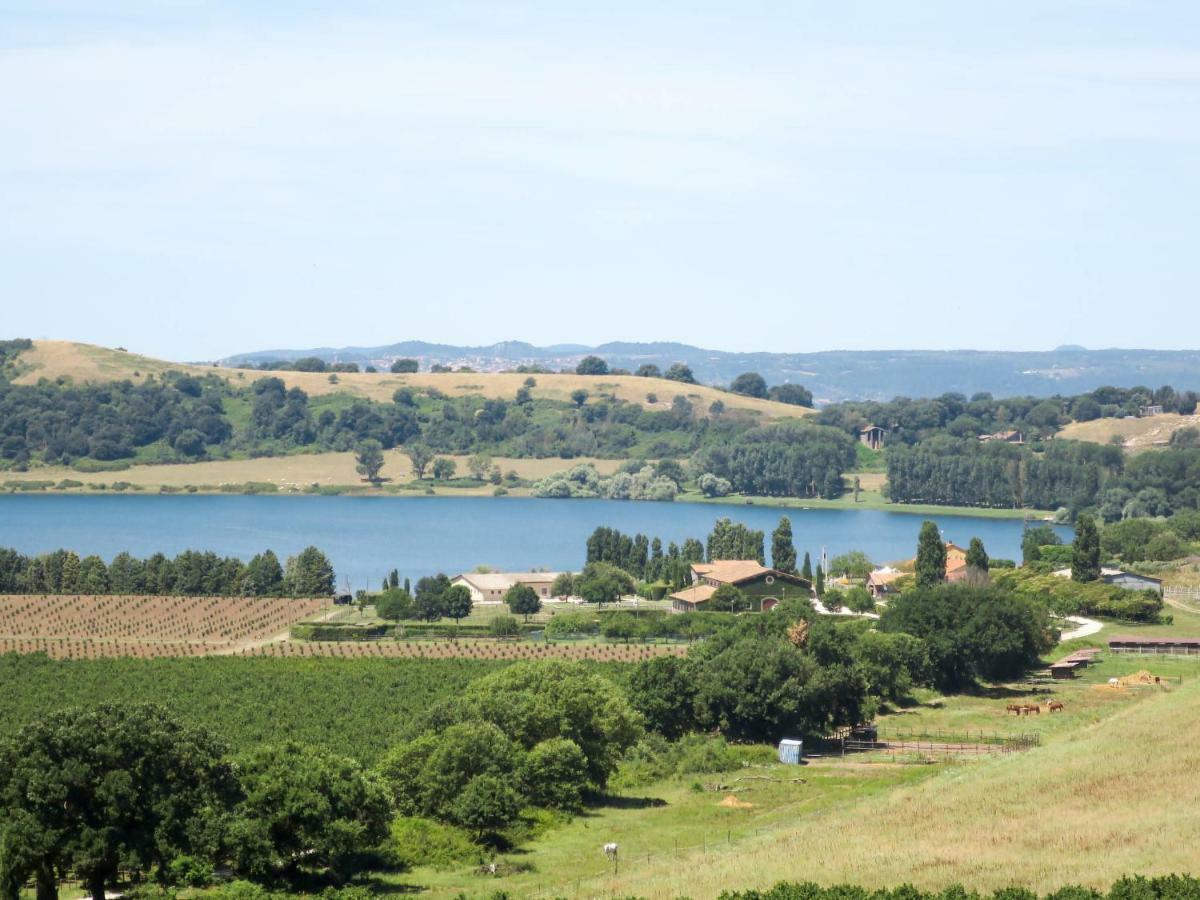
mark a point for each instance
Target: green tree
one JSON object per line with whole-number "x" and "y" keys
{"x": 531, "y": 702}
{"x": 479, "y": 465}
{"x": 662, "y": 690}
{"x": 564, "y": 585}
{"x": 420, "y": 456}
{"x": 591, "y": 365}
{"x": 977, "y": 557}
{"x": 819, "y": 583}
{"x": 305, "y": 806}
{"x": 852, "y": 564}
{"x": 806, "y": 570}
{"x": 728, "y": 598}
{"x": 1085, "y": 554}
{"x": 395, "y": 604}
{"x": 792, "y": 394}
{"x": 523, "y": 600}
{"x": 1034, "y": 539}
{"x": 309, "y": 574}
{"x": 783, "y": 550}
{"x": 680, "y": 372}
{"x": 444, "y": 468}
{"x": 971, "y": 632}
{"x": 931, "y": 556}
{"x": 92, "y": 789}
{"x": 456, "y": 602}
{"x": 264, "y": 576}
{"x": 604, "y": 583}
{"x": 579, "y": 397}
{"x": 429, "y": 597}
{"x": 750, "y": 384}
{"x": 485, "y": 804}
{"x": 404, "y": 366}
{"x": 369, "y": 460}
{"x": 554, "y": 774}
{"x": 648, "y": 370}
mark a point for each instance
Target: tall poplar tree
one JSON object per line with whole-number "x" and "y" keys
{"x": 783, "y": 551}
{"x": 931, "y": 556}
{"x": 806, "y": 571}
{"x": 977, "y": 557}
{"x": 1085, "y": 553}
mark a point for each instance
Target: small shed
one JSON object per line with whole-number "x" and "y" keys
{"x": 1063, "y": 669}
{"x": 791, "y": 751}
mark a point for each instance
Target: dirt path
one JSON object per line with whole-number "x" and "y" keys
{"x": 275, "y": 638}
{"x": 1086, "y": 627}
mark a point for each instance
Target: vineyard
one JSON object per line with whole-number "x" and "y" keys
{"x": 359, "y": 708}
{"x": 86, "y": 627}
{"x": 509, "y": 651}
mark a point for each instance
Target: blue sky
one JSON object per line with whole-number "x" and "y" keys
{"x": 195, "y": 179}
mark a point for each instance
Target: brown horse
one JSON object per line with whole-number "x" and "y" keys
{"x": 1012, "y": 708}
{"x": 1056, "y": 706}
{"x": 1032, "y": 708}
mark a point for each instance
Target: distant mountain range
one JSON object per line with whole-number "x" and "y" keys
{"x": 831, "y": 375}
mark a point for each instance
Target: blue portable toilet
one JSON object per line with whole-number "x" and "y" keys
{"x": 791, "y": 751}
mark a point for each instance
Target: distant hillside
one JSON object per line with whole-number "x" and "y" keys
{"x": 90, "y": 363}
{"x": 831, "y": 375}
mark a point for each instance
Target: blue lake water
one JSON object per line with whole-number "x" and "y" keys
{"x": 366, "y": 537}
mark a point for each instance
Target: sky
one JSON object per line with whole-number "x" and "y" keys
{"x": 192, "y": 180}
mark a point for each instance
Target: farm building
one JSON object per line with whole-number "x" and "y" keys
{"x": 1069, "y": 665}
{"x": 883, "y": 581}
{"x": 763, "y": 587}
{"x": 872, "y": 436}
{"x": 490, "y": 587}
{"x": 1131, "y": 581}
{"x": 1152, "y": 409}
{"x": 1004, "y": 437}
{"x": 1172, "y": 646}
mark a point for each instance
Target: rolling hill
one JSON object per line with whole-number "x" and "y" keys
{"x": 831, "y": 375}
{"x": 90, "y": 363}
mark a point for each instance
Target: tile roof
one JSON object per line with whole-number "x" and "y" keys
{"x": 731, "y": 571}
{"x": 697, "y": 593}
{"x": 502, "y": 581}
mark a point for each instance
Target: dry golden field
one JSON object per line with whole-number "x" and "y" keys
{"x": 293, "y": 473}
{"x": 86, "y": 362}
{"x": 1136, "y": 434}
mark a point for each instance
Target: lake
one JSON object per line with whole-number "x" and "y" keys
{"x": 366, "y": 537}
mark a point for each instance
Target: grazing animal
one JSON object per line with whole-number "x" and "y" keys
{"x": 1033, "y": 708}
{"x": 1013, "y": 708}
{"x": 1114, "y": 682}
{"x": 610, "y": 850}
{"x": 1056, "y": 706}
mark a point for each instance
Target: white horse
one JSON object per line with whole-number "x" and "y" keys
{"x": 1114, "y": 682}
{"x": 610, "y": 850}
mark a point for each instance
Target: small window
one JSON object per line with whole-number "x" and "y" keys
{"x": 770, "y": 579}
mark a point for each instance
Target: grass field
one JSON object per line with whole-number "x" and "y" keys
{"x": 1136, "y": 434}
{"x": 868, "y": 499}
{"x": 297, "y": 472}
{"x": 1109, "y": 792}
{"x": 86, "y": 362}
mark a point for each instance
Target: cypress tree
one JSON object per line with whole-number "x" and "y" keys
{"x": 1085, "y": 553}
{"x": 806, "y": 571}
{"x": 820, "y": 584}
{"x": 783, "y": 551}
{"x": 931, "y": 556}
{"x": 977, "y": 557}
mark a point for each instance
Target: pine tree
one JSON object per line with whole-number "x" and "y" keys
{"x": 931, "y": 556}
{"x": 1085, "y": 554}
{"x": 806, "y": 571}
{"x": 977, "y": 557}
{"x": 783, "y": 551}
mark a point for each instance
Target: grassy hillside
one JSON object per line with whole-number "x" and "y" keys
{"x": 1136, "y": 434}
{"x": 86, "y": 362}
{"x": 1110, "y": 795}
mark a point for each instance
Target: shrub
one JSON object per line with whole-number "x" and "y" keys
{"x": 554, "y": 774}
{"x": 415, "y": 841}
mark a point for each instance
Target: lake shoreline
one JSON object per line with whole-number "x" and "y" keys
{"x": 872, "y": 502}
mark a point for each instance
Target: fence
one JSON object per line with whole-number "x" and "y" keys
{"x": 934, "y": 742}
{"x": 1175, "y": 592}
{"x": 1158, "y": 650}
